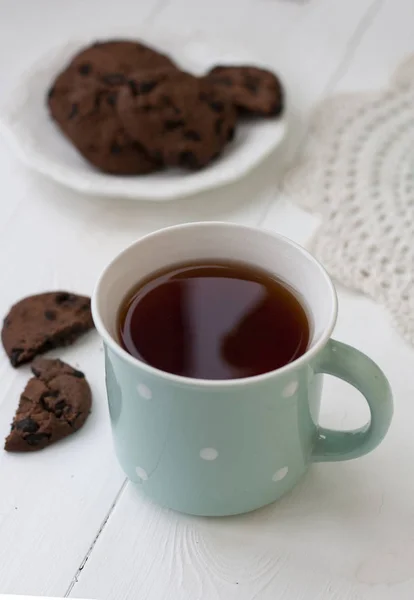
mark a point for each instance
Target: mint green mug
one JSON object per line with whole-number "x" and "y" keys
{"x": 226, "y": 447}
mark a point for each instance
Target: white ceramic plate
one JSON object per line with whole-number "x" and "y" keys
{"x": 25, "y": 122}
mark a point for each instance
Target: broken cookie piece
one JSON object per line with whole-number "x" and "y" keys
{"x": 54, "y": 404}
{"x": 252, "y": 90}
{"x": 39, "y": 323}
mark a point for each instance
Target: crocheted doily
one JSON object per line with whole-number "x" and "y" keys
{"x": 357, "y": 172}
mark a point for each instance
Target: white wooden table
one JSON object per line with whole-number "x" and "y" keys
{"x": 69, "y": 522}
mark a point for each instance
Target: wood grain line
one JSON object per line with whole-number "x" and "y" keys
{"x": 354, "y": 41}
{"x": 159, "y": 7}
{"x": 91, "y": 547}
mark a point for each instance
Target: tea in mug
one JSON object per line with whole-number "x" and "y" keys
{"x": 213, "y": 320}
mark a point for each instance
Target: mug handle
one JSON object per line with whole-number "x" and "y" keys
{"x": 355, "y": 368}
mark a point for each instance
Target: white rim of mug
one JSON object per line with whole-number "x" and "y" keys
{"x": 215, "y": 383}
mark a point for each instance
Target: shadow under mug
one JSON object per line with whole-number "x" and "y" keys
{"x": 217, "y": 448}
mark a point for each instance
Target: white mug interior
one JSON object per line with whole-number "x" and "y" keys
{"x": 277, "y": 255}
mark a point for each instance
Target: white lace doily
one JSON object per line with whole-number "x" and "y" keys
{"x": 357, "y": 172}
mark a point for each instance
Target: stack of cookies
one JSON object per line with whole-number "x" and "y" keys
{"x": 130, "y": 110}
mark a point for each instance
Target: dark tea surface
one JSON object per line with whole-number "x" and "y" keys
{"x": 213, "y": 321}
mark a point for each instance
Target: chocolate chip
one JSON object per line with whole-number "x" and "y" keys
{"x": 46, "y": 400}
{"x": 115, "y": 148}
{"x": 146, "y": 86}
{"x": 26, "y": 425}
{"x": 252, "y": 87}
{"x": 205, "y": 97}
{"x": 114, "y": 79}
{"x": 35, "y": 372}
{"x": 188, "y": 159}
{"x": 111, "y": 99}
{"x": 166, "y": 100}
{"x": 61, "y": 405}
{"x": 65, "y": 298}
{"x": 98, "y": 98}
{"x": 157, "y": 155}
{"x": 140, "y": 87}
{"x": 34, "y": 439}
{"x": 85, "y": 69}
{"x": 62, "y": 297}
{"x": 133, "y": 87}
{"x": 217, "y": 106}
{"x": 218, "y": 126}
{"x": 79, "y": 374}
{"x": 73, "y": 111}
{"x": 50, "y": 315}
{"x": 190, "y": 134}
{"x": 15, "y": 355}
{"x": 230, "y": 134}
{"x": 171, "y": 125}
{"x": 252, "y": 83}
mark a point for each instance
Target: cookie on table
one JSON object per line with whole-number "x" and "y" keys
{"x": 252, "y": 90}
{"x": 88, "y": 116}
{"x": 39, "y": 323}
{"x": 54, "y": 404}
{"x": 179, "y": 119}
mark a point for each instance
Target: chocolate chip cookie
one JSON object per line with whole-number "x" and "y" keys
{"x": 82, "y": 101}
{"x": 179, "y": 119}
{"x": 39, "y": 323}
{"x": 54, "y": 404}
{"x": 252, "y": 90}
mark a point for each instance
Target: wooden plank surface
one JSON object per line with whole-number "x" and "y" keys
{"x": 159, "y": 554}
{"x": 68, "y": 523}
